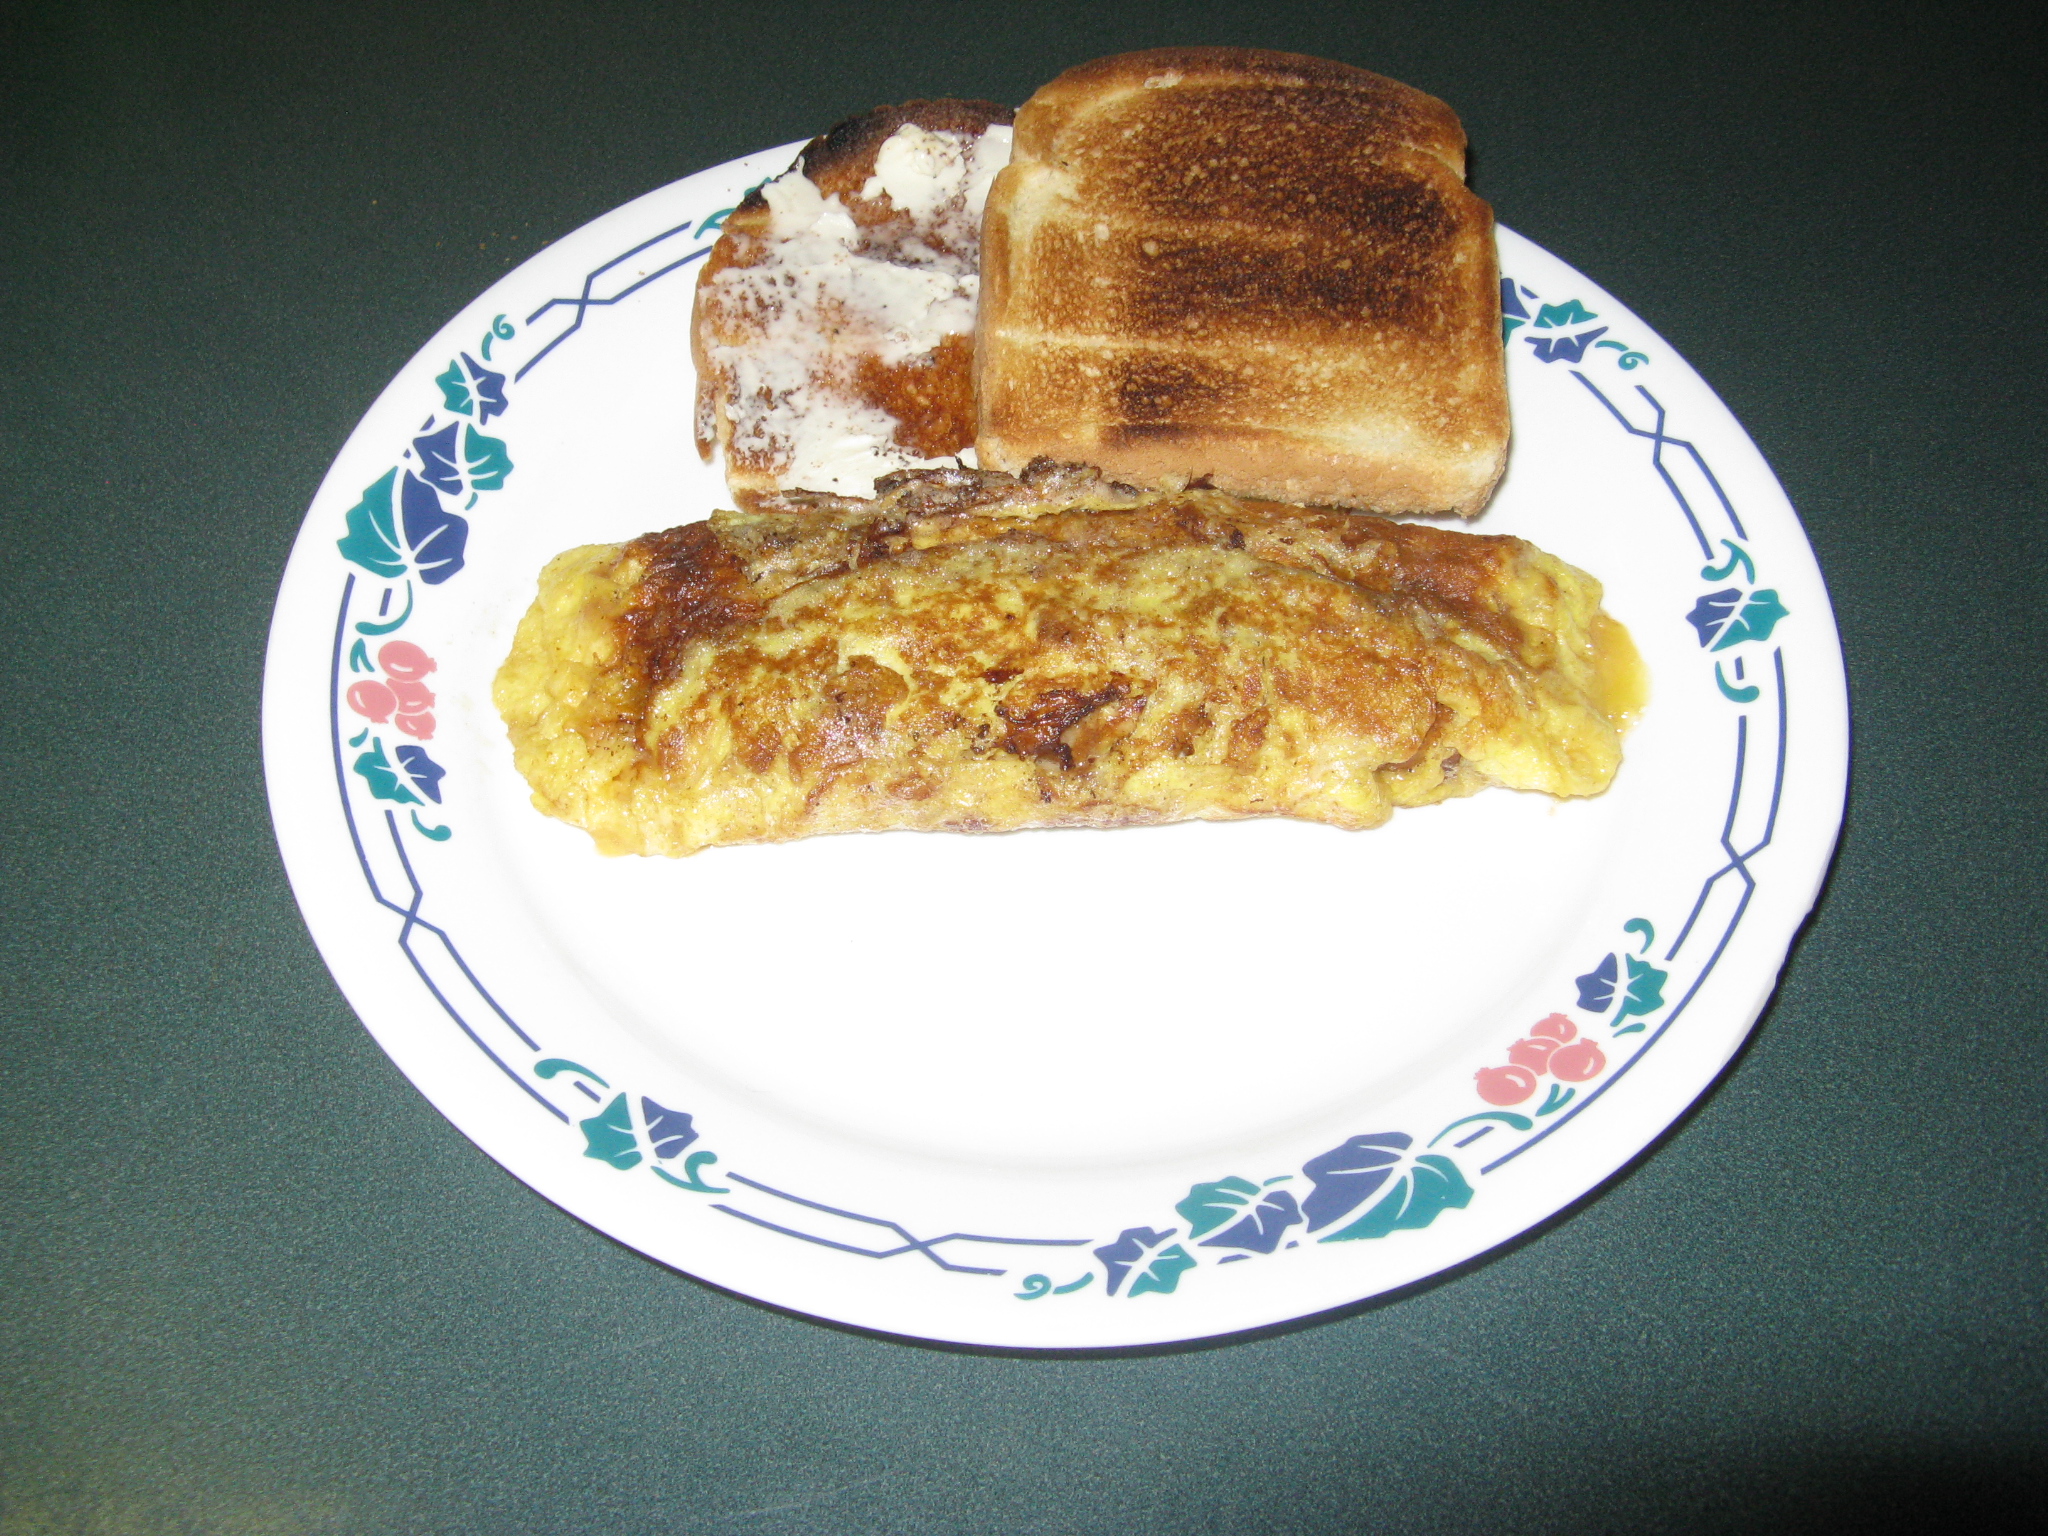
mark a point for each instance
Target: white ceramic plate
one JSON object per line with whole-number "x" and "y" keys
{"x": 1050, "y": 1089}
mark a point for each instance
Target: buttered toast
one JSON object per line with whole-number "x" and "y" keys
{"x": 1252, "y": 270}
{"x": 834, "y": 319}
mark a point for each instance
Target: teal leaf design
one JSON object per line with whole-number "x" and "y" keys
{"x": 489, "y": 387}
{"x": 1728, "y": 617}
{"x": 1430, "y": 1184}
{"x": 558, "y": 1064}
{"x": 431, "y": 543}
{"x": 1570, "y": 312}
{"x": 487, "y": 459}
{"x": 383, "y": 779}
{"x": 1208, "y": 1206}
{"x": 366, "y": 627}
{"x": 372, "y": 538}
{"x": 1262, "y": 1227}
{"x": 359, "y": 658}
{"x": 455, "y": 390}
{"x": 1747, "y": 694}
{"x": 693, "y": 1180}
{"x": 431, "y": 834}
{"x": 1163, "y": 1273}
{"x": 1738, "y": 559}
{"x": 608, "y": 1135}
{"x": 1645, "y": 991}
{"x": 1507, "y": 1117}
{"x": 1756, "y": 619}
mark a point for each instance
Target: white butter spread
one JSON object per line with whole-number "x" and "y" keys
{"x": 831, "y": 293}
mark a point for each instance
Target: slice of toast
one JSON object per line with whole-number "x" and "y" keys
{"x": 834, "y": 319}
{"x": 1254, "y": 270}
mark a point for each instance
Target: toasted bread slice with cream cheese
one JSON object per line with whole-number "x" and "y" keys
{"x": 1253, "y": 270}
{"x": 834, "y": 319}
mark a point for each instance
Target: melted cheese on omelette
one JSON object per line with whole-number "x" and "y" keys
{"x": 973, "y": 652}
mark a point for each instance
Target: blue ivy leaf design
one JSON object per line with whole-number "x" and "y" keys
{"x": 1261, "y": 1230}
{"x": 1345, "y": 1177}
{"x": 1208, "y": 1206}
{"x": 1728, "y": 618}
{"x": 485, "y": 459}
{"x": 1131, "y": 1245}
{"x": 1512, "y": 314}
{"x": 1432, "y": 1183}
{"x": 488, "y": 461}
{"x": 1645, "y": 993}
{"x": 670, "y": 1130}
{"x": 608, "y": 1135}
{"x": 372, "y": 539}
{"x": 377, "y": 772}
{"x": 489, "y": 388}
{"x": 1596, "y": 987}
{"x": 437, "y": 537}
{"x": 1567, "y": 349}
{"x": 436, "y": 452}
{"x": 1711, "y": 614}
{"x": 455, "y": 394}
{"x": 423, "y": 771}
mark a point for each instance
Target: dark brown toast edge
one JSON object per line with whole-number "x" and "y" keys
{"x": 1416, "y": 137}
{"x": 839, "y": 160}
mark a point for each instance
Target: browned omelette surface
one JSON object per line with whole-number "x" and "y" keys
{"x": 976, "y": 652}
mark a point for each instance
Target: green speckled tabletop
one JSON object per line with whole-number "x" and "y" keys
{"x": 252, "y": 1282}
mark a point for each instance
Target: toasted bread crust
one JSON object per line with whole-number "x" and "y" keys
{"x": 928, "y": 398}
{"x": 1254, "y": 268}
{"x": 842, "y": 158}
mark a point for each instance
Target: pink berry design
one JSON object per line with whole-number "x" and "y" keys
{"x": 1577, "y": 1063}
{"x": 1554, "y": 1046}
{"x": 1505, "y": 1085}
{"x": 403, "y": 699}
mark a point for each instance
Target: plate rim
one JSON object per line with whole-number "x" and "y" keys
{"x": 373, "y": 1002}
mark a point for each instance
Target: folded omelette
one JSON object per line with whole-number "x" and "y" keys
{"x": 977, "y": 652}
